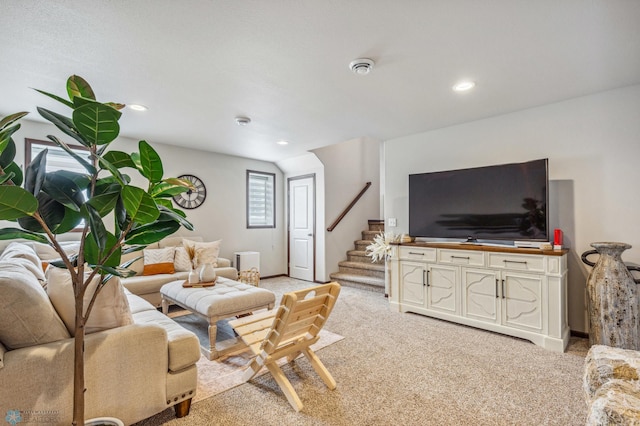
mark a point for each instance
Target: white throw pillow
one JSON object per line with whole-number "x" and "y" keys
{"x": 158, "y": 261}
{"x": 205, "y": 252}
{"x": 181, "y": 261}
{"x": 27, "y": 317}
{"x": 110, "y": 310}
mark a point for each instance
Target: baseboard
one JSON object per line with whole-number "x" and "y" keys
{"x": 581, "y": 334}
{"x": 274, "y": 276}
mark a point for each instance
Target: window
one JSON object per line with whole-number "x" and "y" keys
{"x": 261, "y": 199}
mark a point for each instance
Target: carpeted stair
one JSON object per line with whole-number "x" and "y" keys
{"x": 358, "y": 270}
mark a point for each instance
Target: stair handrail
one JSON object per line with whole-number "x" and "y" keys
{"x": 349, "y": 207}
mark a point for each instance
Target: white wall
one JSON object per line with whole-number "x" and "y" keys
{"x": 223, "y": 214}
{"x": 593, "y": 146}
{"x": 308, "y": 164}
{"x": 347, "y": 167}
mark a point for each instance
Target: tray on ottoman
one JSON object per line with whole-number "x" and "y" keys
{"x": 226, "y": 299}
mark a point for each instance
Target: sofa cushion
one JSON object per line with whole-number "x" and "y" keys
{"x": 28, "y": 317}
{"x": 205, "y": 252}
{"x": 158, "y": 261}
{"x": 184, "y": 347}
{"x": 181, "y": 260}
{"x": 138, "y": 265}
{"x": 110, "y": 310}
{"x": 144, "y": 284}
{"x": 176, "y": 241}
{"x": 46, "y": 253}
{"x": 137, "y": 303}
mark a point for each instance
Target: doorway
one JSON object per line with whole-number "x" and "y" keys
{"x": 301, "y": 201}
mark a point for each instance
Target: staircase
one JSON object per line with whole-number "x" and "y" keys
{"x": 357, "y": 270}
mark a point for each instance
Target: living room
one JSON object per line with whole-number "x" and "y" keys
{"x": 579, "y": 111}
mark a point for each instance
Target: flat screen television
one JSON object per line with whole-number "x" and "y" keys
{"x": 501, "y": 202}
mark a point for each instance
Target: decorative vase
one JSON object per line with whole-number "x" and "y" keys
{"x": 104, "y": 421}
{"x": 194, "y": 277}
{"x": 207, "y": 273}
{"x": 613, "y": 298}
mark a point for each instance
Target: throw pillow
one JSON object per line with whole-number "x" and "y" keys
{"x": 181, "y": 261}
{"x": 26, "y": 256}
{"x": 159, "y": 261}
{"x": 28, "y": 317}
{"x": 205, "y": 252}
{"x": 110, "y": 310}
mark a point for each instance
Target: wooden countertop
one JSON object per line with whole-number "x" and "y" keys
{"x": 480, "y": 247}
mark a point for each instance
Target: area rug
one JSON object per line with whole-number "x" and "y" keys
{"x": 226, "y": 372}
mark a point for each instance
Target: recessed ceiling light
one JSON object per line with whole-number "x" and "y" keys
{"x": 242, "y": 121}
{"x": 282, "y": 143}
{"x": 361, "y": 66}
{"x": 138, "y": 107}
{"x": 463, "y": 86}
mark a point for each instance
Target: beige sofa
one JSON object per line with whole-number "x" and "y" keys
{"x": 132, "y": 371}
{"x": 148, "y": 286}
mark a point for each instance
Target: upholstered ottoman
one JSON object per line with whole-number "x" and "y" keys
{"x": 226, "y": 299}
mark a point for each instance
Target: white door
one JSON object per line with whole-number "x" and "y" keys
{"x": 301, "y": 227}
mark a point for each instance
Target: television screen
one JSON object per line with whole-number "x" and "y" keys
{"x": 503, "y": 202}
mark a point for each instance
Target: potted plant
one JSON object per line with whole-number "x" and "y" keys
{"x": 110, "y": 210}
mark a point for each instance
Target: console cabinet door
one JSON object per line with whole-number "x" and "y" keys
{"x": 442, "y": 288}
{"x": 481, "y": 298}
{"x": 413, "y": 283}
{"x": 522, "y": 301}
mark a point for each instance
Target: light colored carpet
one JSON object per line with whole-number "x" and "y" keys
{"x": 400, "y": 369}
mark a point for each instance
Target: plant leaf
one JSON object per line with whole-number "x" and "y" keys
{"x": 16, "y": 173}
{"x": 105, "y": 203}
{"x": 65, "y": 124}
{"x": 16, "y": 202}
{"x": 150, "y": 162}
{"x": 5, "y": 135}
{"x": 132, "y": 249}
{"x": 119, "y": 159}
{"x": 97, "y": 123}
{"x": 56, "y": 97}
{"x": 64, "y": 190}
{"x": 36, "y": 172}
{"x": 139, "y": 205}
{"x": 70, "y": 221}
{"x": 78, "y": 86}
{"x": 5, "y": 177}
{"x": 167, "y": 190}
{"x": 98, "y": 230}
{"x": 14, "y": 233}
{"x": 114, "y": 171}
{"x": 9, "y": 119}
{"x": 88, "y": 166}
{"x": 176, "y": 215}
{"x": 94, "y": 256}
{"x": 51, "y": 211}
{"x": 152, "y": 233}
{"x": 8, "y": 153}
{"x": 118, "y": 272}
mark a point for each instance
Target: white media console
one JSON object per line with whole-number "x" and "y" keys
{"x": 513, "y": 291}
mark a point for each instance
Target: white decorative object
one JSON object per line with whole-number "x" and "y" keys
{"x": 380, "y": 248}
{"x": 207, "y": 273}
{"x": 194, "y": 277}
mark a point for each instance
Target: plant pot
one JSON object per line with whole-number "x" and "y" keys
{"x": 104, "y": 421}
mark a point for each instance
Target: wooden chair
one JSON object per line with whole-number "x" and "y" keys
{"x": 288, "y": 331}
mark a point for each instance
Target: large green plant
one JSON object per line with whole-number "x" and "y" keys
{"x": 111, "y": 211}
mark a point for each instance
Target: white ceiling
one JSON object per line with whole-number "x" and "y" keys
{"x": 199, "y": 63}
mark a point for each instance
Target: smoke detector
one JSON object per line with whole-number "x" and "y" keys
{"x": 361, "y": 66}
{"x": 242, "y": 121}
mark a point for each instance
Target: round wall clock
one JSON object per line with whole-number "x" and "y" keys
{"x": 192, "y": 198}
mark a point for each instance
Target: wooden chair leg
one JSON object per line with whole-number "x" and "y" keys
{"x": 322, "y": 371}
{"x": 182, "y": 408}
{"x": 285, "y": 385}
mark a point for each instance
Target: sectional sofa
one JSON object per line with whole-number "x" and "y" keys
{"x": 143, "y": 365}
